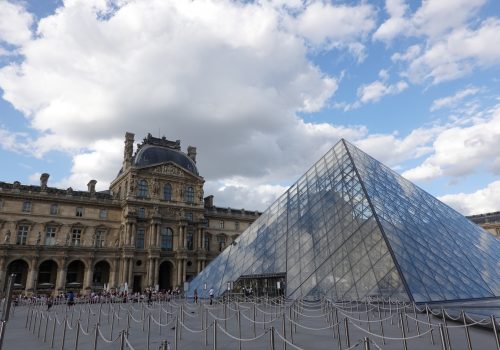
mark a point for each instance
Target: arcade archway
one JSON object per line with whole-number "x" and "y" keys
{"x": 165, "y": 275}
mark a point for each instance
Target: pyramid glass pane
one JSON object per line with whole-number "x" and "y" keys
{"x": 351, "y": 228}
{"x": 441, "y": 254}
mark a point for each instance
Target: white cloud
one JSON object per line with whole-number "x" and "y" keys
{"x": 395, "y": 24}
{"x": 458, "y": 54}
{"x": 327, "y": 24}
{"x": 373, "y": 92}
{"x": 481, "y": 201}
{"x": 224, "y": 76}
{"x": 451, "y": 101}
{"x": 15, "y": 23}
{"x": 462, "y": 149}
{"x": 410, "y": 53}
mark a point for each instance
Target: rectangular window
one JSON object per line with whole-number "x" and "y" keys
{"x": 103, "y": 214}
{"x": 22, "y": 235}
{"x": 221, "y": 223}
{"x": 237, "y": 225}
{"x": 139, "y": 239}
{"x": 79, "y": 211}
{"x": 54, "y": 209}
{"x": 498, "y": 231}
{"x": 189, "y": 217}
{"x": 206, "y": 243}
{"x": 50, "y": 235}
{"x": 141, "y": 213}
{"x": 1, "y": 203}
{"x": 222, "y": 242}
{"x": 190, "y": 238}
{"x": 100, "y": 237}
{"x": 26, "y": 206}
{"x": 76, "y": 237}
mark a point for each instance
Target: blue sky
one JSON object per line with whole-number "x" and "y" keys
{"x": 262, "y": 88}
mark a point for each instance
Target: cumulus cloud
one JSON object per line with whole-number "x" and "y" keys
{"x": 481, "y": 201}
{"x": 451, "y": 101}
{"x": 15, "y": 24}
{"x": 373, "y": 92}
{"x": 457, "y": 54}
{"x": 228, "y": 77}
{"x": 455, "y": 42}
{"x": 462, "y": 149}
{"x": 325, "y": 24}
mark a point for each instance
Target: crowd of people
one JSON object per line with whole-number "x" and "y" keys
{"x": 149, "y": 295}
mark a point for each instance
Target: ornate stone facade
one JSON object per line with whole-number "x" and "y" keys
{"x": 489, "y": 221}
{"x": 152, "y": 228}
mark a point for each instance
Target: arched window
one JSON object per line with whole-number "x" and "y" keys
{"x": 167, "y": 192}
{"x": 167, "y": 238}
{"x": 189, "y": 194}
{"x": 142, "y": 188}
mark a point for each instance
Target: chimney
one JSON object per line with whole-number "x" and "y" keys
{"x": 209, "y": 201}
{"x": 128, "y": 150}
{"x": 44, "y": 178}
{"x": 192, "y": 153}
{"x": 91, "y": 186}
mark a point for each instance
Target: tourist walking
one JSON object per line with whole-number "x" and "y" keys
{"x": 211, "y": 295}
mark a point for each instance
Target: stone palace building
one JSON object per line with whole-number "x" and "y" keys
{"x": 152, "y": 228}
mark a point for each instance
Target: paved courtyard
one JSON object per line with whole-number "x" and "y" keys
{"x": 243, "y": 325}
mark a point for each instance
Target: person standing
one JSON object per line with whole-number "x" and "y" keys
{"x": 211, "y": 295}
{"x": 196, "y": 295}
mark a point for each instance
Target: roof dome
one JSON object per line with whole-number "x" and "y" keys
{"x": 151, "y": 154}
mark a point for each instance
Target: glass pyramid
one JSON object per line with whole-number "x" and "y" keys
{"x": 351, "y": 228}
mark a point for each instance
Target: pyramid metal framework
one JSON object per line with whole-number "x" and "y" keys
{"x": 351, "y": 228}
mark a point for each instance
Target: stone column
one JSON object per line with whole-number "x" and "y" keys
{"x": 179, "y": 271}
{"x": 3, "y": 272}
{"x": 184, "y": 269}
{"x": 61, "y": 275}
{"x": 89, "y": 273}
{"x": 158, "y": 231}
{"x": 32, "y": 274}
{"x": 150, "y": 271}
{"x": 130, "y": 271}
{"x": 156, "y": 271}
{"x": 113, "y": 275}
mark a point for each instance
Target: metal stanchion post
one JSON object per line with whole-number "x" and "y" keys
{"x": 283, "y": 329}
{"x": 53, "y": 332}
{"x": 495, "y": 332}
{"x": 467, "y": 335}
{"x": 239, "y": 329}
{"x": 368, "y": 318}
{"x": 96, "y": 335}
{"x": 149, "y": 331}
{"x": 122, "y": 340}
{"x": 441, "y": 334}
{"x": 46, "y": 326}
{"x": 382, "y": 331}
{"x": 112, "y": 326}
{"x": 416, "y": 318}
{"x": 446, "y": 332}
{"x": 403, "y": 330}
{"x": 271, "y": 331}
{"x": 215, "y": 334}
{"x": 430, "y": 326}
{"x": 254, "y": 326}
{"x": 77, "y": 334}
{"x": 64, "y": 333}
{"x": 346, "y": 329}
{"x": 366, "y": 342}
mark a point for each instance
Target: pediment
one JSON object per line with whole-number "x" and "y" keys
{"x": 170, "y": 169}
